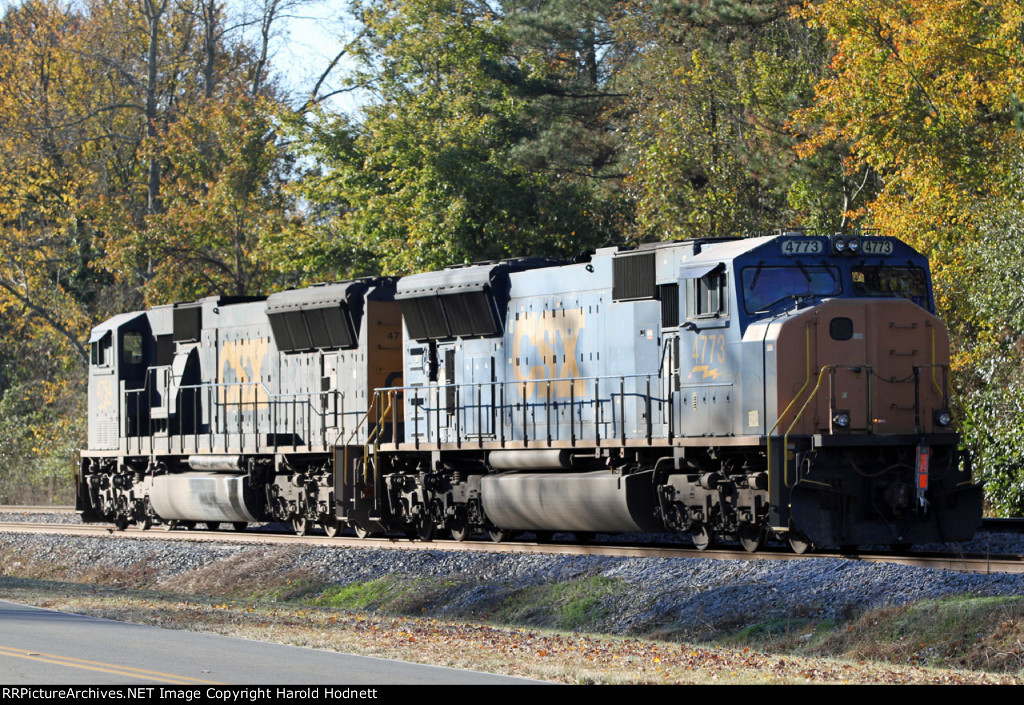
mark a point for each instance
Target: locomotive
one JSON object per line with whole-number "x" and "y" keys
{"x": 791, "y": 386}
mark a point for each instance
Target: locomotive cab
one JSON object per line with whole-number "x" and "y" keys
{"x": 861, "y": 446}
{"x": 120, "y": 351}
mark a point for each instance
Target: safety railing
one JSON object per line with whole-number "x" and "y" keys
{"x": 869, "y": 397}
{"x": 572, "y": 409}
{"x": 230, "y": 416}
{"x": 383, "y": 418}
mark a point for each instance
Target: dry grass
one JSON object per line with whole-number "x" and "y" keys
{"x": 977, "y": 633}
{"x": 248, "y": 595}
{"x": 548, "y": 655}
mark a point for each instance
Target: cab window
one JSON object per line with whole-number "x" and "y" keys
{"x": 131, "y": 348}
{"x": 102, "y": 350}
{"x": 765, "y": 287}
{"x": 891, "y": 282}
{"x": 708, "y": 295}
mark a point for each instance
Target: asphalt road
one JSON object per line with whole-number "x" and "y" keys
{"x": 39, "y": 647}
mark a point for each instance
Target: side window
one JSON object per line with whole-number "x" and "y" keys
{"x": 708, "y": 296}
{"x": 102, "y": 351}
{"x": 131, "y": 348}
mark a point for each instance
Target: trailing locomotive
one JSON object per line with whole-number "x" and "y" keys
{"x": 793, "y": 386}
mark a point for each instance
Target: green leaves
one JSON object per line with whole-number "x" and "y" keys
{"x": 430, "y": 174}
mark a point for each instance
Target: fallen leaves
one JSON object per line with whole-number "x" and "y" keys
{"x": 563, "y": 657}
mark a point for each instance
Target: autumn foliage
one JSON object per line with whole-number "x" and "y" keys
{"x": 152, "y": 152}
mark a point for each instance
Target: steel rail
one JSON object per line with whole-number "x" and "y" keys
{"x": 943, "y": 561}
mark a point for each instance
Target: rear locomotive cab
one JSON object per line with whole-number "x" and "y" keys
{"x": 860, "y": 444}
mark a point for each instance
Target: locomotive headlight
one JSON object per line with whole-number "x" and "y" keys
{"x": 943, "y": 417}
{"x": 841, "y": 419}
{"x": 853, "y": 246}
{"x": 839, "y": 245}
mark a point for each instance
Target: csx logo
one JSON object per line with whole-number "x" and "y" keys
{"x": 241, "y": 363}
{"x": 106, "y": 397}
{"x": 544, "y": 347}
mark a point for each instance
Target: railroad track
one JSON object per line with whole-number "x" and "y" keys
{"x": 944, "y": 561}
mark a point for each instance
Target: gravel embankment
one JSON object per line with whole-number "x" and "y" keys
{"x": 693, "y": 594}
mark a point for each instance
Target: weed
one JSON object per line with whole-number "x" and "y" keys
{"x": 573, "y": 605}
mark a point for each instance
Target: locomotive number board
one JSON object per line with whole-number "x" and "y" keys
{"x": 876, "y": 246}
{"x": 802, "y": 246}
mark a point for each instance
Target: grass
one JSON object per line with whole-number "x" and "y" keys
{"x": 537, "y": 653}
{"x": 959, "y": 632}
{"x": 392, "y": 594}
{"x": 549, "y": 631}
{"x": 574, "y": 605}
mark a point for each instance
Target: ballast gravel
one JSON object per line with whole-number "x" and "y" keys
{"x": 689, "y": 594}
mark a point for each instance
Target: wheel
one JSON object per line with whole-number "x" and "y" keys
{"x": 799, "y": 543}
{"x": 301, "y": 526}
{"x": 701, "y": 536}
{"x": 121, "y": 523}
{"x": 144, "y": 523}
{"x": 187, "y": 525}
{"x": 171, "y": 525}
{"x": 426, "y": 529}
{"x": 212, "y": 525}
{"x": 461, "y": 532}
{"x": 752, "y": 537}
{"x": 499, "y": 535}
{"x": 363, "y": 533}
{"x": 239, "y": 525}
{"x": 332, "y": 528}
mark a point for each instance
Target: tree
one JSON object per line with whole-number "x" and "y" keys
{"x": 226, "y": 210}
{"x": 429, "y": 175}
{"x": 926, "y": 94}
{"x": 135, "y": 140}
{"x": 712, "y": 86}
{"x": 45, "y": 153}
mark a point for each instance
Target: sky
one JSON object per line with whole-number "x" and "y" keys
{"x": 309, "y": 34}
{"x": 307, "y": 39}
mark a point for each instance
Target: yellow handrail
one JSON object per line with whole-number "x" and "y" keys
{"x": 369, "y": 439}
{"x": 778, "y": 420}
{"x": 785, "y": 437}
{"x": 374, "y": 437}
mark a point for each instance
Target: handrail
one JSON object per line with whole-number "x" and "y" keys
{"x": 374, "y": 437}
{"x": 785, "y": 437}
{"x": 778, "y": 420}
{"x": 348, "y": 442}
{"x": 537, "y": 405}
{"x": 252, "y": 397}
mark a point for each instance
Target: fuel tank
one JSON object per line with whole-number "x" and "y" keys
{"x": 195, "y": 496}
{"x": 600, "y": 501}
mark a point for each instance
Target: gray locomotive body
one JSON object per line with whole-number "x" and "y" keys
{"x": 230, "y": 410}
{"x": 790, "y": 385}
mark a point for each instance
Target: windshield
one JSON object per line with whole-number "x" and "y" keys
{"x": 765, "y": 286}
{"x": 903, "y": 282}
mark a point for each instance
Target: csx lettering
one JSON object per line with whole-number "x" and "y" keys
{"x": 543, "y": 337}
{"x": 240, "y": 366}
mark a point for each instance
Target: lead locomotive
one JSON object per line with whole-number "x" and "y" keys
{"x": 795, "y": 386}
